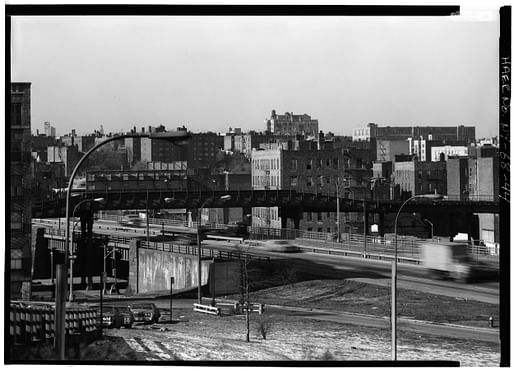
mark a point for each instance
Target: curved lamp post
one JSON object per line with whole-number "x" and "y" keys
{"x": 434, "y": 196}
{"x": 179, "y": 137}
{"x": 198, "y": 242}
{"x": 72, "y": 257}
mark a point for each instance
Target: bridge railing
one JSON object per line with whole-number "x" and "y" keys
{"x": 206, "y": 252}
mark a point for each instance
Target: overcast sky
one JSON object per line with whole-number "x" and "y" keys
{"x": 212, "y": 73}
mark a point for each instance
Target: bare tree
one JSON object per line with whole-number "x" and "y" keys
{"x": 244, "y": 300}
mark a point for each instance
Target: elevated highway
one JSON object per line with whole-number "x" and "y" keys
{"x": 289, "y": 201}
{"x": 314, "y": 260}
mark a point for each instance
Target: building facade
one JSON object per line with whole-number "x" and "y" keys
{"x": 303, "y": 170}
{"x": 19, "y": 268}
{"x": 49, "y": 130}
{"x": 431, "y": 133}
{"x": 202, "y": 149}
{"x": 291, "y": 124}
{"x": 68, "y": 155}
{"x": 441, "y": 153}
{"x": 388, "y": 149}
{"x": 477, "y": 178}
{"x": 419, "y": 178}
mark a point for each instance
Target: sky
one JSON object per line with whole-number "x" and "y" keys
{"x": 210, "y": 73}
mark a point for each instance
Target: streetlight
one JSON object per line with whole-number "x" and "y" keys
{"x": 431, "y": 228}
{"x": 198, "y": 243}
{"x": 72, "y": 257}
{"x": 177, "y": 137}
{"x": 432, "y": 196}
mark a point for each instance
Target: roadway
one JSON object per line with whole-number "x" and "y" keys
{"x": 412, "y": 277}
{"x": 331, "y": 266}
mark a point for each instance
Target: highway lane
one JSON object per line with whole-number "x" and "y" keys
{"x": 375, "y": 271}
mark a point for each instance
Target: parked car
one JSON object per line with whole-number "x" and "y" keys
{"x": 145, "y": 312}
{"x": 111, "y": 316}
{"x": 128, "y": 316}
{"x": 280, "y": 246}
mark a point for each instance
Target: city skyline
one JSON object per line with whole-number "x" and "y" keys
{"x": 212, "y": 73}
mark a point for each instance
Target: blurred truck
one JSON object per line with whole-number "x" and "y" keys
{"x": 447, "y": 260}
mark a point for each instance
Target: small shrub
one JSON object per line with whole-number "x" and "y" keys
{"x": 263, "y": 326}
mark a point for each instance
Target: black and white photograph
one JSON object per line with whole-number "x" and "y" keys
{"x": 268, "y": 185}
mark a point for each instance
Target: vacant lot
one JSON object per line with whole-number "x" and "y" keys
{"x": 195, "y": 336}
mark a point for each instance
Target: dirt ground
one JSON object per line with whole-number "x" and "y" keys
{"x": 357, "y": 297}
{"x": 195, "y": 336}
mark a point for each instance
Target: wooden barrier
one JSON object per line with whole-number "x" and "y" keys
{"x": 207, "y": 309}
{"x": 30, "y": 322}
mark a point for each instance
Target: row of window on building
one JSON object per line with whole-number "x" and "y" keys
{"x": 265, "y": 180}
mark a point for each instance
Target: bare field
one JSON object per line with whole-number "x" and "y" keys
{"x": 210, "y": 338}
{"x": 357, "y": 297}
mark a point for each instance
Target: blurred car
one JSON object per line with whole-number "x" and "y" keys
{"x": 128, "y": 316}
{"x": 280, "y": 246}
{"x": 145, "y": 312}
{"x": 111, "y": 316}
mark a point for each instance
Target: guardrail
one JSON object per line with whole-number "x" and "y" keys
{"x": 224, "y": 238}
{"x": 407, "y": 246}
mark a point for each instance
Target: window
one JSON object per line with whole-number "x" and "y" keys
{"x": 16, "y": 114}
{"x": 309, "y": 165}
{"x": 327, "y": 180}
{"x": 16, "y": 264}
{"x": 335, "y": 164}
{"x": 16, "y": 258}
{"x": 328, "y": 229}
{"x": 320, "y": 216}
{"x": 293, "y": 181}
{"x": 309, "y": 181}
{"x": 328, "y": 163}
{"x": 320, "y": 230}
{"x": 320, "y": 163}
{"x": 309, "y": 216}
{"x": 16, "y": 220}
{"x": 309, "y": 229}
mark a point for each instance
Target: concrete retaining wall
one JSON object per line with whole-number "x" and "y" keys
{"x": 150, "y": 270}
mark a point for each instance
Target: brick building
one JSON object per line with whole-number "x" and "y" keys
{"x": 431, "y": 133}
{"x": 19, "y": 268}
{"x": 304, "y": 170}
{"x": 388, "y": 149}
{"x": 68, "y": 155}
{"x": 291, "y": 124}
{"x": 476, "y": 177}
{"x": 418, "y": 177}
